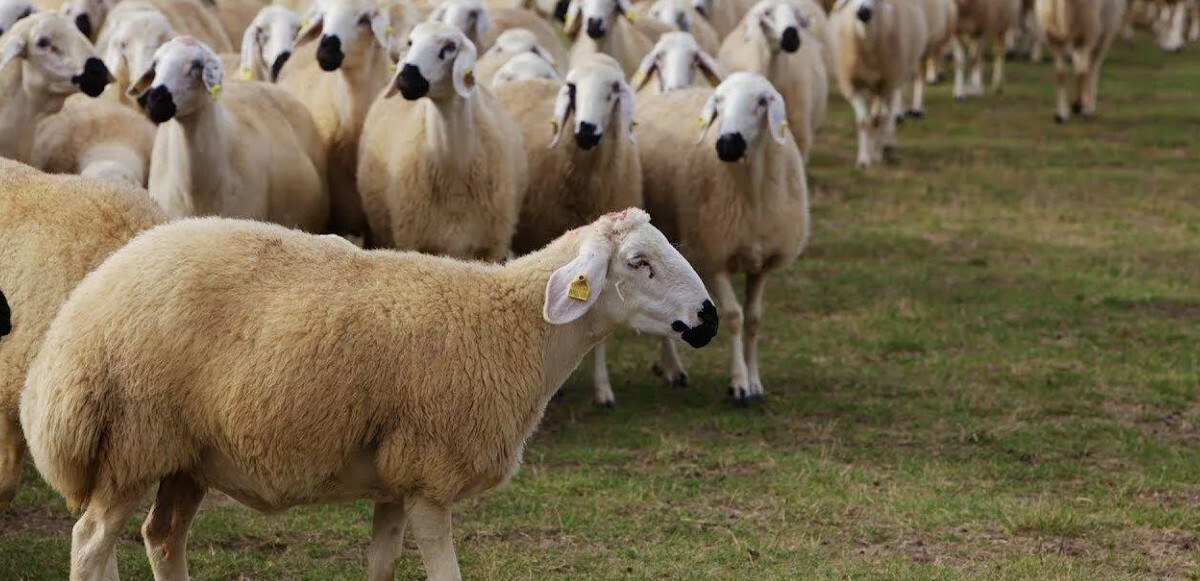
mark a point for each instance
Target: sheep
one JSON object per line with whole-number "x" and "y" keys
{"x": 402, "y": 17}
{"x": 267, "y": 43}
{"x": 235, "y": 17}
{"x": 723, "y": 15}
{"x": 673, "y": 63}
{"x": 1172, "y": 27}
{"x": 188, "y": 17}
{"x": 512, "y": 43}
{"x": 777, "y": 41}
{"x": 95, "y": 138}
{"x": 1084, "y": 29}
{"x": 43, "y": 60}
{"x": 53, "y": 230}
{"x": 742, "y": 210}
{"x": 524, "y": 67}
{"x": 13, "y": 10}
{"x": 940, "y": 27}
{"x": 442, "y": 171}
{"x": 681, "y": 15}
{"x": 574, "y": 183}
{"x": 878, "y": 44}
{"x": 337, "y": 79}
{"x": 608, "y": 31}
{"x": 128, "y": 44}
{"x": 441, "y": 372}
{"x": 483, "y": 25}
{"x": 979, "y": 21}
{"x": 252, "y": 153}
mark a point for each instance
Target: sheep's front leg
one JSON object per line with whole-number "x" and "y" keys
{"x": 960, "y": 65}
{"x": 997, "y": 64}
{"x": 600, "y": 382}
{"x": 885, "y": 140}
{"x": 917, "y": 110}
{"x": 931, "y": 69}
{"x": 1091, "y": 88}
{"x": 669, "y": 365}
{"x": 431, "y": 527}
{"x": 94, "y": 537}
{"x": 897, "y": 106}
{"x": 12, "y": 446}
{"x": 1194, "y": 30}
{"x": 731, "y": 315}
{"x": 1061, "y": 112}
{"x": 1081, "y": 62}
{"x": 387, "y": 539}
{"x": 1173, "y": 33}
{"x": 975, "y": 55}
{"x": 756, "y": 285}
{"x": 862, "y": 120}
{"x": 166, "y": 527}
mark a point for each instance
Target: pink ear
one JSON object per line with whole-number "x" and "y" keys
{"x": 563, "y": 306}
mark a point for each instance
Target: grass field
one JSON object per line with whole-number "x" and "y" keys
{"x": 985, "y": 367}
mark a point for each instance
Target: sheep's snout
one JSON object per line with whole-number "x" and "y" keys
{"x": 588, "y": 136}
{"x": 158, "y": 104}
{"x": 864, "y": 13}
{"x": 84, "y": 24}
{"x": 731, "y": 147}
{"x": 329, "y": 53}
{"x": 595, "y": 28}
{"x": 560, "y": 10}
{"x": 701, "y": 334}
{"x": 278, "y": 64}
{"x": 790, "y": 41}
{"x": 412, "y": 84}
{"x": 94, "y": 77}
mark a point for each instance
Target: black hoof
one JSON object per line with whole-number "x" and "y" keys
{"x": 960, "y": 98}
{"x": 915, "y": 114}
{"x": 889, "y": 153}
{"x": 608, "y": 405}
{"x": 1060, "y": 119}
{"x": 1088, "y": 116}
{"x": 681, "y": 382}
{"x": 658, "y": 370}
{"x": 740, "y": 397}
{"x": 900, "y": 119}
{"x": 1077, "y": 107}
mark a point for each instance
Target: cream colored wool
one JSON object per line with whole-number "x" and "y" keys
{"x": 980, "y": 22}
{"x": 95, "y": 138}
{"x": 1082, "y": 30}
{"x": 941, "y": 23}
{"x": 509, "y": 45}
{"x": 681, "y": 16}
{"x": 235, "y": 17}
{"x": 623, "y": 40}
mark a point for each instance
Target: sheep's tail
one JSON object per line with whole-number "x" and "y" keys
{"x": 5, "y": 316}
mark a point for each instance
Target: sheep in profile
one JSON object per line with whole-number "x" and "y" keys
{"x": 128, "y": 44}
{"x": 53, "y": 231}
{"x": 980, "y": 21}
{"x": 13, "y": 10}
{"x": 602, "y": 26}
{"x": 681, "y": 16}
{"x": 509, "y": 45}
{"x": 673, "y": 65}
{"x": 267, "y": 43}
{"x": 249, "y": 150}
{"x": 43, "y": 60}
{"x": 443, "y": 170}
{"x": 573, "y": 183}
{"x": 941, "y": 18}
{"x": 777, "y": 42}
{"x": 1084, "y": 30}
{"x": 441, "y": 372}
{"x": 735, "y": 201}
{"x": 95, "y": 138}
{"x": 524, "y": 67}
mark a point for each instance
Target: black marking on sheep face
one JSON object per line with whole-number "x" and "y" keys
{"x": 278, "y": 64}
{"x": 158, "y": 104}
{"x": 5, "y": 316}
{"x": 731, "y": 147}
{"x": 560, "y": 10}
{"x": 864, "y": 13}
{"x": 703, "y": 333}
{"x": 595, "y": 28}
{"x": 84, "y": 24}
{"x": 412, "y": 84}
{"x": 93, "y": 79}
{"x": 588, "y": 136}
{"x": 329, "y": 53}
{"x": 790, "y": 41}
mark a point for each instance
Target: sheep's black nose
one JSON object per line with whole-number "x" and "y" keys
{"x": 93, "y": 79}
{"x": 595, "y": 28}
{"x": 84, "y": 24}
{"x": 701, "y": 334}
{"x": 159, "y": 105}
{"x": 560, "y": 10}
{"x": 278, "y": 64}
{"x": 329, "y": 53}
{"x": 790, "y": 42}
{"x": 587, "y": 136}
{"x": 863, "y": 14}
{"x": 731, "y": 147}
{"x": 412, "y": 83}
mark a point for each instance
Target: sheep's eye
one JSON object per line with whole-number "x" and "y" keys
{"x": 446, "y": 51}
{"x": 364, "y": 20}
{"x": 762, "y": 101}
{"x": 639, "y": 262}
{"x": 43, "y": 42}
{"x": 410, "y": 42}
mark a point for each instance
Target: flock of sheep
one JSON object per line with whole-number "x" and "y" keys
{"x": 258, "y": 349}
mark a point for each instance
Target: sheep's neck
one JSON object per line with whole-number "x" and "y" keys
{"x": 762, "y": 57}
{"x": 450, "y": 130}
{"x": 206, "y": 143}
{"x": 20, "y": 112}
{"x": 360, "y": 81}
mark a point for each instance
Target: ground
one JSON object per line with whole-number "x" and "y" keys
{"x": 985, "y": 367}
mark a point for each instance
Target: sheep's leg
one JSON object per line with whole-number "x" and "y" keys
{"x": 431, "y": 527}
{"x": 387, "y": 539}
{"x": 997, "y": 64}
{"x": 756, "y": 284}
{"x": 12, "y": 446}
{"x": 1193, "y": 34}
{"x": 897, "y": 105}
{"x": 975, "y": 55}
{"x": 1081, "y": 62}
{"x": 862, "y": 120}
{"x": 960, "y": 65}
{"x": 931, "y": 69}
{"x": 669, "y": 365}
{"x": 1091, "y": 88}
{"x": 731, "y": 315}
{"x": 1173, "y": 33}
{"x": 918, "y": 100}
{"x": 601, "y": 385}
{"x": 886, "y": 139}
{"x": 94, "y": 538}
{"x": 166, "y": 528}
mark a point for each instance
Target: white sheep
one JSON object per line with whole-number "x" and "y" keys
{"x": 53, "y": 231}
{"x": 13, "y": 10}
{"x": 337, "y": 78}
{"x": 442, "y": 171}
{"x": 682, "y": 16}
{"x": 980, "y": 21}
{"x": 524, "y": 67}
{"x": 941, "y": 17}
{"x": 510, "y": 44}
{"x": 483, "y": 25}
{"x": 878, "y": 44}
{"x": 735, "y": 201}
{"x": 602, "y": 26}
{"x": 723, "y": 15}
{"x": 235, "y": 17}
{"x": 285, "y": 369}
{"x": 1084, "y": 30}
{"x": 43, "y": 60}
{"x": 776, "y": 40}
{"x": 188, "y": 17}
{"x": 1172, "y": 27}
{"x": 95, "y": 138}
{"x": 267, "y": 43}
{"x": 673, "y": 64}
{"x": 573, "y": 183}
{"x": 128, "y": 43}
{"x": 402, "y": 17}
{"x": 249, "y": 150}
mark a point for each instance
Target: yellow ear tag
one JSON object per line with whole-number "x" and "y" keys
{"x": 553, "y": 126}
{"x": 215, "y": 91}
{"x": 628, "y": 16}
{"x": 579, "y": 289}
{"x": 469, "y": 77}
{"x": 393, "y": 66}
{"x": 246, "y": 74}
{"x": 638, "y": 78}
{"x": 388, "y": 31}
{"x": 701, "y": 120}
{"x": 783, "y": 125}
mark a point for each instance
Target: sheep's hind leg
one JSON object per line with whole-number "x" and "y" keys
{"x": 998, "y": 64}
{"x": 1081, "y": 62}
{"x": 975, "y": 55}
{"x": 12, "y": 446}
{"x": 94, "y": 537}
{"x": 1061, "y": 112}
{"x": 601, "y": 384}
{"x": 862, "y": 121}
{"x": 431, "y": 527}
{"x": 166, "y": 528}
{"x": 960, "y": 65}
{"x": 731, "y": 318}
{"x": 756, "y": 285}
{"x": 387, "y": 539}
{"x": 669, "y": 366}
{"x": 886, "y": 131}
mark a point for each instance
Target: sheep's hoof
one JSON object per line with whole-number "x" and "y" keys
{"x": 740, "y": 397}
{"x": 680, "y": 381}
{"x": 1060, "y": 119}
{"x": 1077, "y": 107}
{"x": 607, "y": 404}
{"x": 1010, "y": 55}
{"x": 889, "y": 153}
{"x": 658, "y": 370}
{"x": 960, "y": 97}
{"x": 916, "y": 113}
{"x": 1087, "y": 115}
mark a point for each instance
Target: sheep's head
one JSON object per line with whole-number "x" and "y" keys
{"x": 674, "y": 13}
{"x": 470, "y": 16}
{"x": 131, "y": 39}
{"x": 517, "y": 41}
{"x": 184, "y": 76}
{"x": 13, "y": 10}
{"x": 402, "y": 17}
{"x": 706, "y": 8}
{"x": 627, "y": 272}
{"x": 779, "y": 21}
{"x": 863, "y": 9}
{"x": 674, "y": 62}
{"x": 56, "y": 58}
{"x": 267, "y": 42}
{"x": 598, "y": 97}
{"x": 440, "y": 57}
{"x": 744, "y": 103}
{"x": 347, "y": 29}
{"x": 600, "y": 16}
{"x": 88, "y": 15}
{"x": 523, "y": 67}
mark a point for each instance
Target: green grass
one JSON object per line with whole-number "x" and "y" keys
{"x": 985, "y": 367}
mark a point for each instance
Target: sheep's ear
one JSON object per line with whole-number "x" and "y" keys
{"x": 646, "y": 69}
{"x": 707, "y": 115}
{"x": 709, "y": 68}
{"x": 483, "y": 23}
{"x": 312, "y": 27}
{"x": 14, "y": 48}
{"x": 574, "y": 18}
{"x": 564, "y": 105}
{"x": 777, "y": 117}
{"x": 212, "y": 75}
{"x": 545, "y": 54}
{"x": 251, "y": 52}
{"x": 438, "y": 13}
{"x": 574, "y": 288}
{"x": 464, "y": 70}
{"x": 381, "y": 27}
{"x": 143, "y": 83}
{"x": 626, "y": 9}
